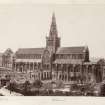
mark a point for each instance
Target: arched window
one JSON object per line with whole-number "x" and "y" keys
{"x": 46, "y": 57}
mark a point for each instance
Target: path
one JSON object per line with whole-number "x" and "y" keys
{"x": 6, "y": 92}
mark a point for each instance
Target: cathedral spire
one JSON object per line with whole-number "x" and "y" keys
{"x": 53, "y": 28}
{"x": 53, "y": 41}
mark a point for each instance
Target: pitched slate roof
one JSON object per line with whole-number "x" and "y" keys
{"x": 30, "y": 51}
{"x": 70, "y": 50}
{"x": 68, "y": 61}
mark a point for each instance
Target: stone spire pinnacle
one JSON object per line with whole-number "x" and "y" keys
{"x": 53, "y": 28}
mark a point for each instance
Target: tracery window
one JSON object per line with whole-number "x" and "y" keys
{"x": 46, "y": 57}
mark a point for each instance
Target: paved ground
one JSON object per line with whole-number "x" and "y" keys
{"x": 6, "y": 92}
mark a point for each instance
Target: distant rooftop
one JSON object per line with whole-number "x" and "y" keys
{"x": 30, "y": 51}
{"x": 71, "y": 50}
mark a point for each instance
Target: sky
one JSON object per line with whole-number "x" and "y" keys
{"x": 26, "y": 23}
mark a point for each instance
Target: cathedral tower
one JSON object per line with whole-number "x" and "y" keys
{"x": 53, "y": 41}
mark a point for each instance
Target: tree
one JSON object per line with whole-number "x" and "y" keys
{"x": 12, "y": 86}
{"x": 102, "y": 90}
{"x": 59, "y": 84}
{"x": 37, "y": 84}
{"x": 101, "y": 64}
{"x": 26, "y": 86}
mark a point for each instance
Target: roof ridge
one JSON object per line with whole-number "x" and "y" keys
{"x": 71, "y": 46}
{"x": 30, "y": 51}
{"x": 33, "y": 48}
{"x": 67, "y": 50}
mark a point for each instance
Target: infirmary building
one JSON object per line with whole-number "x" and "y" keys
{"x": 54, "y": 63}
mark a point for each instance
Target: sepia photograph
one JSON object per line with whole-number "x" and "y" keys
{"x": 52, "y": 49}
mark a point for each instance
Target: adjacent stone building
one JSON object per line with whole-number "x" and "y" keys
{"x": 54, "y": 63}
{"x": 7, "y": 58}
{"x": 6, "y": 64}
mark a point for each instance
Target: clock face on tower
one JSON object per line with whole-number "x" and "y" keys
{"x": 46, "y": 57}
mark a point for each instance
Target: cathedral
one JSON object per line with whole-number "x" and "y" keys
{"x": 54, "y": 62}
